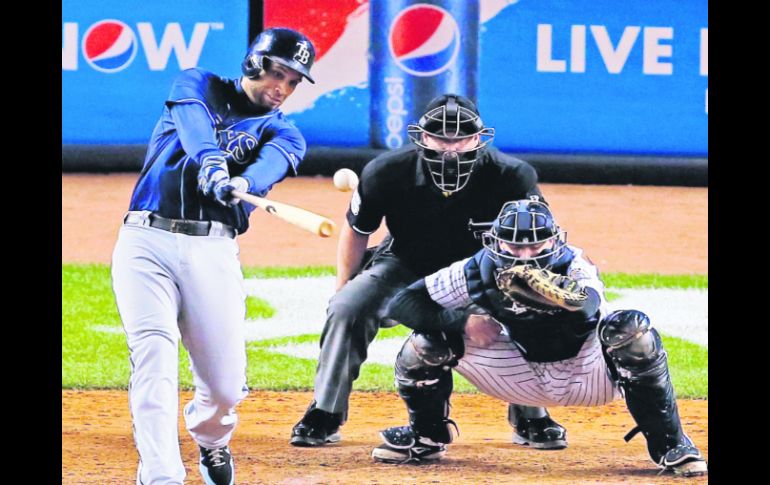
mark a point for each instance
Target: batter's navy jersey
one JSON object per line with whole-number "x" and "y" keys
{"x": 207, "y": 115}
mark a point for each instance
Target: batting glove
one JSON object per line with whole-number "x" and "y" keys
{"x": 223, "y": 190}
{"x": 213, "y": 171}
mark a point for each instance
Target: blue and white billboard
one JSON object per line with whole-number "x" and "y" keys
{"x": 571, "y": 76}
{"x": 598, "y": 76}
{"x": 119, "y": 59}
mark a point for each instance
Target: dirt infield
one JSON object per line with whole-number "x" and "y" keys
{"x": 97, "y": 446}
{"x": 629, "y": 229}
{"x": 622, "y": 228}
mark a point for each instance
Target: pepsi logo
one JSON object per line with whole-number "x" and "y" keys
{"x": 424, "y": 40}
{"x": 109, "y": 46}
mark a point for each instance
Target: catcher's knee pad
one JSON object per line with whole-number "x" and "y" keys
{"x": 423, "y": 359}
{"x": 629, "y": 339}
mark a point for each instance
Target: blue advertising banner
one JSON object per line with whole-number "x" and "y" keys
{"x": 556, "y": 76}
{"x": 598, "y": 76}
{"x": 119, "y": 59}
{"x": 551, "y": 76}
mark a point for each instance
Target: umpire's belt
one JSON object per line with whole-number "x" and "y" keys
{"x": 182, "y": 226}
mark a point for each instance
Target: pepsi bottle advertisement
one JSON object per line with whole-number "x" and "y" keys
{"x": 551, "y": 76}
{"x": 119, "y": 60}
{"x": 421, "y": 54}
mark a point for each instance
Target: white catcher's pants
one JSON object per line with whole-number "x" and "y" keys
{"x": 169, "y": 285}
{"x": 500, "y": 370}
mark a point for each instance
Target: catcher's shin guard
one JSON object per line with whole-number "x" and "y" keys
{"x": 424, "y": 381}
{"x": 637, "y": 353}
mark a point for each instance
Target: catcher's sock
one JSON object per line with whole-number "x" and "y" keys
{"x": 528, "y": 412}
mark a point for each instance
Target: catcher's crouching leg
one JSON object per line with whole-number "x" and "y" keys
{"x": 424, "y": 381}
{"x": 637, "y": 354}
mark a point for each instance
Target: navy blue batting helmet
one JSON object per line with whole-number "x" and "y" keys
{"x": 527, "y": 222}
{"x": 284, "y": 46}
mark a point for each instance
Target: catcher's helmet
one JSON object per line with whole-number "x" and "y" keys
{"x": 450, "y": 117}
{"x": 525, "y": 222}
{"x": 284, "y": 46}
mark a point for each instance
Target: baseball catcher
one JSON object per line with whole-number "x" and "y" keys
{"x": 525, "y": 320}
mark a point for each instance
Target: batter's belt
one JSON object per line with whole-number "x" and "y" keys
{"x": 181, "y": 226}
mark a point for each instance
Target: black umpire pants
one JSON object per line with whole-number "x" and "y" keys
{"x": 353, "y": 317}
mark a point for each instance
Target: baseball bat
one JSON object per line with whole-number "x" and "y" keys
{"x": 301, "y": 218}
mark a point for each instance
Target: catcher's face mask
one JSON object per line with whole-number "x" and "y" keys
{"x": 451, "y": 137}
{"x": 525, "y": 232}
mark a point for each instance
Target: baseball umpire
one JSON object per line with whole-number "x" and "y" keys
{"x": 175, "y": 267}
{"x": 427, "y": 192}
{"x": 525, "y": 319}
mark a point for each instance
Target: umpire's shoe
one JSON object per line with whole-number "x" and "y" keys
{"x": 403, "y": 445}
{"x": 541, "y": 433}
{"x": 217, "y": 466}
{"x": 316, "y": 428}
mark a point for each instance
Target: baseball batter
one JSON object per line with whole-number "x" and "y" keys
{"x": 427, "y": 192}
{"x": 525, "y": 320}
{"x": 175, "y": 267}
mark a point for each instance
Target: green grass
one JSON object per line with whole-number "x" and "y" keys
{"x": 90, "y": 358}
{"x": 688, "y": 363}
{"x": 625, "y": 280}
{"x": 288, "y": 272}
{"x": 94, "y": 359}
{"x": 97, "y": 359}
{"x": 258, "y": 308}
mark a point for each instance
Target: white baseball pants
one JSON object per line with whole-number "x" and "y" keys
{"x": 500, "y": 370}
{"x": 169, "y": 285}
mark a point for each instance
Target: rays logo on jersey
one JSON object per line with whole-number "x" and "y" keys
{"x": 109, "y": 46}
{"x": 424, "y": 40}
{"x": 240, "y": 145}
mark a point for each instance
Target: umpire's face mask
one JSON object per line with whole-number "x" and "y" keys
{"x": 450, "y": 160}
{"x": 451, "y": 139}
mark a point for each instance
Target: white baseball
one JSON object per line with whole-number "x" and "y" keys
{"x": 345, "y": 180}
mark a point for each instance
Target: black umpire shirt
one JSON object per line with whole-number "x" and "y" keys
{"x": 430, "y": 230}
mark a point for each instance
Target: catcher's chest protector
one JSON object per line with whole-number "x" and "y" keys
{"x": 542, "y": 336}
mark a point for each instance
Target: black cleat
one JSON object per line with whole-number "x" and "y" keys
{"x": 684, "y": 460}
{"x": 403, "y": 445}
{"x": 541, "y": 433}
{"x": 216, "y": 466}
{"x": 316, "y": 428}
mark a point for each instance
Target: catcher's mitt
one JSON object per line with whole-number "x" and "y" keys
{"x": 540, "y": 288}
